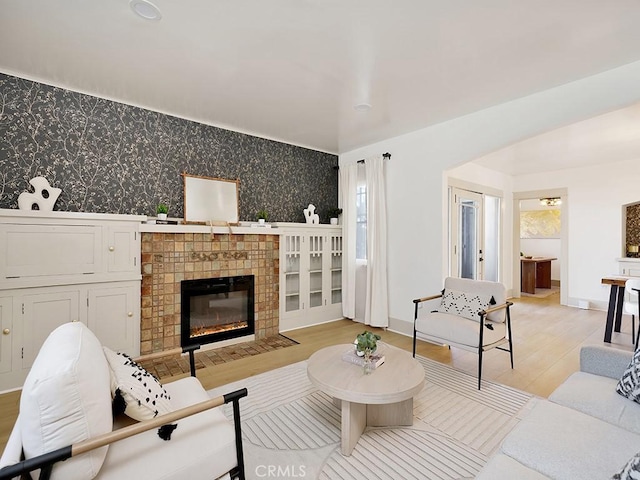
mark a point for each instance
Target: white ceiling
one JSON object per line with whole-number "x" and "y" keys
{"x": 292, "y": 70}
{"x": 608, "y": 138}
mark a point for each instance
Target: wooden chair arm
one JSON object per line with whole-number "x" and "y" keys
{"x": 426, "y": 299}
{"x": 46, "y": 461}
{"x": 495, "y": 308}
{"x": 143, "y": 426}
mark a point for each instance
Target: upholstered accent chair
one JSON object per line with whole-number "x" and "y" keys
{"x": 470, "y": 314}
{"x": 66, "y": 428}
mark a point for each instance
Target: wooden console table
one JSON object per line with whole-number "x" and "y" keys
{"x": 616, "y": 302}
{"x": 535, "y": 273}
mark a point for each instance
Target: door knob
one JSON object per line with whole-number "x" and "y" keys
{"x": 6, "y": 331}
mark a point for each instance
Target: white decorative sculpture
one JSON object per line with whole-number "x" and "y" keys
{"x": 44, "y": 196}
{"x": 310, "y": 215}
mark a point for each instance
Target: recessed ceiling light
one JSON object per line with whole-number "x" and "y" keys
{"x": 362, "y": 107}
{"x": 145, "y": 9}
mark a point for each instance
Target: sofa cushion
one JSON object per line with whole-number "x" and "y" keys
{"x": 202, "y": 447}
{"x": 562, "y": 443}
{"x": 596, "y": 396}
{"x": 446, "y": 326}
{"x": 501, "y": 467}
{"x": 464, "y": 304}
{"x": 629, "y": 384}
{"x": 66, "y": 399}
{"x": 143, "y": 394}
{"x": 631, "y": 471}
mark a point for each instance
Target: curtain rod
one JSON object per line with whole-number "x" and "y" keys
{"x": 386, "y": 156}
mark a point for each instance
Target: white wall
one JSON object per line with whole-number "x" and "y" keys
{"x": 596, "y": 225}
{"x": 415, "y": 173}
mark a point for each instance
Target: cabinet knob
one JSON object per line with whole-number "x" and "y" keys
{"x": 130, "y": 314}
{"x": 112, "y": 248}
{"x": 6, "y": 331}
{"x": 74, "y": 320}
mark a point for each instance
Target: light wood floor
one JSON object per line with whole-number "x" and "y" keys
{"x": 547, "y": 341}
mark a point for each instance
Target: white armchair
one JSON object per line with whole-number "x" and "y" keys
{"x": 470, "y": 314}
{"x": 66, "y": 430}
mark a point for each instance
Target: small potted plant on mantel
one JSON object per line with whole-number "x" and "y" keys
{"x": 262, "y": 215}
{"x": 162, "y": 211}
{"x": 333, "y": 214}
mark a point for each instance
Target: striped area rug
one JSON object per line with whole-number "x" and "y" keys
{"x": 292, "y": 430}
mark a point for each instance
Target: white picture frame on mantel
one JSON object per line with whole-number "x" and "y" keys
{"x": 210, "y": 200}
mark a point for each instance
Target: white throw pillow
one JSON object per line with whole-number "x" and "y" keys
{"x": 66, "y": 399}
{"x": 144, "y": 396}
{"x": 464, "y": 304}
{"x": 629, "y": 384}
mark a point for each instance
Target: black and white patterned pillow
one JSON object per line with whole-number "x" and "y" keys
{"x": 464, "y": 304}
{"x": 631, "y": 471}
{"x": 143, "y": 395}
{"x": 629, "y": 384}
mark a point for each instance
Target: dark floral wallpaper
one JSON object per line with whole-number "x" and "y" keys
{"x": 113, "y": 158}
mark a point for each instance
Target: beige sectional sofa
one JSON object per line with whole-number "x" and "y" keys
{"x": 584, "y": 430}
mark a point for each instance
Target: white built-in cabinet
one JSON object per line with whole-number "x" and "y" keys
{"x": 629, "y": 267}
{"x": 60, "y": 267}
{"x": 310, "y": 275}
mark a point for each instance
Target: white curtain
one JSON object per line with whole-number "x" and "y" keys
{"x": 348, "y": 188}
{"x": 376, "y": 307}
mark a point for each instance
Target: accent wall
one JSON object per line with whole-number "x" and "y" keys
{"x": 109, "y": 157}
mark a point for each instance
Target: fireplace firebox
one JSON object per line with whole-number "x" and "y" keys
{"x": 215, "y": 309}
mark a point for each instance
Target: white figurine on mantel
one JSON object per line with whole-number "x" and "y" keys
{"x": 310, "y": 215}
{"x": 44, "y": 196}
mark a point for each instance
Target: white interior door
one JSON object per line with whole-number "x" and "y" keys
{"x": 467, "y": 236}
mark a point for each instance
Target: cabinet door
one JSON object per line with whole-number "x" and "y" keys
{"x": 7, "y": 334}
{"x": 291, "y": 251}
{"x": 316, "y": 270}
{"x": 38, "y": 250}
{"x": 122, "y": 249}
{"x": 42, "y": 313}
{"x": 335, "y": 269}
{"x": 114, "y": 316}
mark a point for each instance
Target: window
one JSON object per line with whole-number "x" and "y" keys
{"x": 361, "y": 222}
{"x": 361, "y": 214}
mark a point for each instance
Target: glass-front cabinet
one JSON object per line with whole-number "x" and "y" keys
{"x": 291, "y": 283}
{"x": 310, "y": 275}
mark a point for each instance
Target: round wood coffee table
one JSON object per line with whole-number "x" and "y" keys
{"x": 383, "y": 398}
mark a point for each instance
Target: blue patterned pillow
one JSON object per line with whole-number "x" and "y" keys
{"x": 629, "y": 384}
{"x": 464, "y": 304}
{"x": 631, "y": 471}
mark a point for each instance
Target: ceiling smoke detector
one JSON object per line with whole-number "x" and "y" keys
{"x": 362, "y": 107}
{"x": 145, "y": 9}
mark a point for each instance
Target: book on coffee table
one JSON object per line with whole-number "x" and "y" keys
{"x": 350, "y": 356}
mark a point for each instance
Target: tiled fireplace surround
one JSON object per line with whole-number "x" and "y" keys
{"x": 169, "y": 258}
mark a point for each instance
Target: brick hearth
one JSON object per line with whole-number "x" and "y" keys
{"x": 169, "y": 258}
